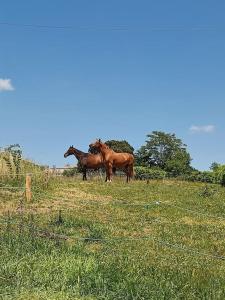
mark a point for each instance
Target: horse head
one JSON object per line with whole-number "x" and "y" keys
{"x": 96, "y": 145}
{"x": 69, "y": 152}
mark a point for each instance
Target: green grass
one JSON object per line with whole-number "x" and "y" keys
{"x": 122, "y": 264}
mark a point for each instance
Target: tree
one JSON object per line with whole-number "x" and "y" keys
{"x": 214, "y": 166}
{"x": 219, "y": 173}
{"x": 120, "y": 146}
{"x": 117, "y": 146}
{"x": 165, "y": 151}
{"x": 179, "y": 163}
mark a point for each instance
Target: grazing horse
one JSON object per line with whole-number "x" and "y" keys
{"x": 86, "y": 160}
{"x": 116, "y": 160}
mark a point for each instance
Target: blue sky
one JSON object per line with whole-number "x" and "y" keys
{"x": 115, "y": 70}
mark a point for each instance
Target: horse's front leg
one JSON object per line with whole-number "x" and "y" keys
{"x": 106, "y": 173}
{"x": 109, "y": 172}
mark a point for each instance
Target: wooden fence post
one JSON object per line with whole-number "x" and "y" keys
{"x": 28, "y": 187}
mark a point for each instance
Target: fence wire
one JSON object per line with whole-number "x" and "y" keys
{"x": 52, "y": 235}
{"x": 145, "y": 205}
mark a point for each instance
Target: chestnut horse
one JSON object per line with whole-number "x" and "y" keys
{"x": 86, "y": 160}
{"x": 116, "y": 160}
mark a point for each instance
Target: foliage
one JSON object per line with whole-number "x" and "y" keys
{"x": 12, "y": 163}
{"x": 216, "y": 176}
{"x": 214, "y": 166}
{"x": 223, "y": 180}
{"x": 219, "y": 173}
{"x": 117, "y": 146}
{"x": 70, "y": 172}
{"x": 120, "y": 146}
{"x": 165, "y": 151}
{"x": 12, "y": 157}
{"x": 205, "y": 176}
{"x": 144, "y": 173}
{"x": 207, "y": 191}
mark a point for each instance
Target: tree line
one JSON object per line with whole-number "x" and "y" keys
{"x": 162, "y": 155}
{"x": 161, "y": 151}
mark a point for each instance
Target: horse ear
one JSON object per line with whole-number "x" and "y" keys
{"x": 99, "y": 140}
{"x": 72, "y": 146}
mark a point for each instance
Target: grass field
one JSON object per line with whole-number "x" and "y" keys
{"x": 162, "y": 240}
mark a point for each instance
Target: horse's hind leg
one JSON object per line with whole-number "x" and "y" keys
{"x": 127, "y": 173}
{"x": 114, "y": 170}
{"x": 130, "y": 172}
{"x": 85, "y": 174}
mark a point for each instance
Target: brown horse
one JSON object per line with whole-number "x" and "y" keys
{"x": 86, "y": 160}
{"x": 116, "y": 160}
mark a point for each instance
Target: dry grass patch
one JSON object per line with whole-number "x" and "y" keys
{"x": 75, "y": 193}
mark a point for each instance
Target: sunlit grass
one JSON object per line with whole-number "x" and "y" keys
{"x": 140, "y": 241}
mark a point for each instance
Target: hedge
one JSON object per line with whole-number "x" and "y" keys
{"x": 143, "y": 173}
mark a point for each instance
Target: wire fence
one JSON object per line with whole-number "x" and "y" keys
{"x": 12, "y": 187}
{"x": 147, "y": 205}
{"x": 51, "y": 235}
{"x": 42, "y": 172}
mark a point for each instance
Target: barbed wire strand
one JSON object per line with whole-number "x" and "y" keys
{"x": 178, "y": 247}
{"x": 146, "y": 205}
{"x": 12, "y": 188}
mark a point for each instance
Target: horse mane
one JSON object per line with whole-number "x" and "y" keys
{"x": 107, "y": 147}
{"x": 79, "y": 152}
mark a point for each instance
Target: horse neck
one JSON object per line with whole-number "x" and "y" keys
{"x": 104, "y": 150}
{"x": 78, "y": 154}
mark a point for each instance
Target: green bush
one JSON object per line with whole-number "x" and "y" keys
{"x": 217, "y": 176}
{"x": 70, "y": 172}
{"x": 220, "y": 174}
{"x": 223, "y": 180}
{"x": 143, "y": 173}
{"x": 205, "y": 176}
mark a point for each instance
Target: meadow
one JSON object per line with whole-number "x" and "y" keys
{"x": 91, "y": 240}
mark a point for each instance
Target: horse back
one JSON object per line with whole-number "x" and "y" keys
{"x": 93, "y": 160}
{"x": 122, "y": 158}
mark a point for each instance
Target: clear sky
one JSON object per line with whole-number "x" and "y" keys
{"x": 112, "y": 69}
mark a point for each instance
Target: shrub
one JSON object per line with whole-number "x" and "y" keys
{"x": 143, "y": 173}
{"x": 70, "y": 172}
{"x": 207, "y": 191}
{"x": 220, "y": 174}
{"x": 223, "y": 180}
{"x": 205, "y": 176}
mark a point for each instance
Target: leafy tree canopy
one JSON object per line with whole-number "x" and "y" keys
{"x": 214, "y": 166}
{"x": 120, "y": 146}
{"x": 165, "y": 151}
{"x": 117, "y": 146}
